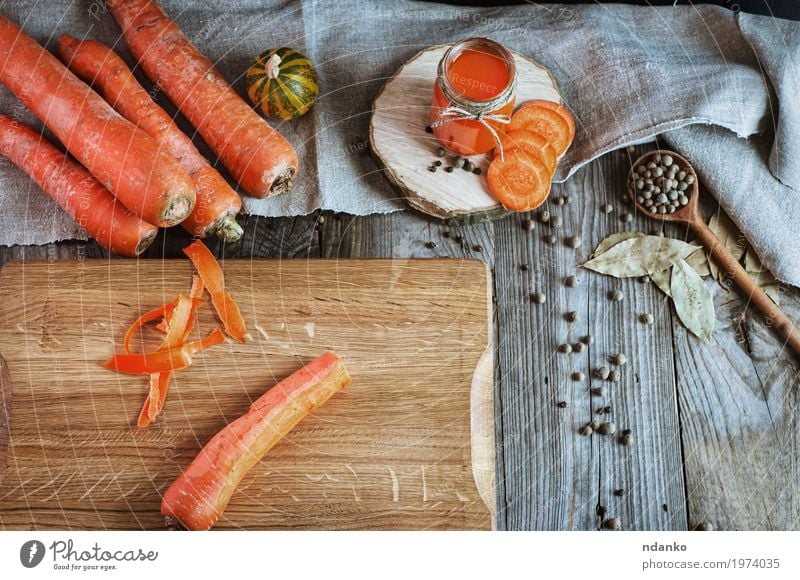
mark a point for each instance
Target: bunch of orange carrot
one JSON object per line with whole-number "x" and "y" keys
{"x": 131, "y": 168}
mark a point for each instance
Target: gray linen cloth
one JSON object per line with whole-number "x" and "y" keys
{"x": 720, "y": 88}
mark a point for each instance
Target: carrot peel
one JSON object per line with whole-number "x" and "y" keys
{"x": 211, "y": 275}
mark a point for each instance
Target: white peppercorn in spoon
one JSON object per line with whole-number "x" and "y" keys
{"x": 651, "y": 200}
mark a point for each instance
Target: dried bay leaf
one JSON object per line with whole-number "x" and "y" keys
{"x": 699, "y": 261}
{"x": 732, "y": 239}
{"x": 693, "y": 301}
{"x": 613, "y": 240}
{"x": 640, "y": 256}
{"x": 663, "y": 279}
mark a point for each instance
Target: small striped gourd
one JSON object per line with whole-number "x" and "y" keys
{"x": 282, "y": 83}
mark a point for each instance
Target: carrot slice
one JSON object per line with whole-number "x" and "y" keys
{"x": 159, "y": 361}
{"x": 211, "y": 274}
{"x": 550, "y": 119}
{"x": 531, "y": 141}
{"x": 520, "y": 181}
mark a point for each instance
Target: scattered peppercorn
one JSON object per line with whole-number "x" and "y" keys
{"x": 595, "y": 425}
{"x": 523, "y": 267}
{"x": 458, "y": 162}
{"x": 430, "y": 245}
{"x": 619, "y": 492}
{"x": 555, "y": 221}
{"x": 448, "y": 169}
{"x": 612, "y": 524}
{"x": 644, "y": 279}
{"x": 607, "y": 428}
{"x": 559, "y": 201}
{"x": 441, "y": 152}
{"x": 432, "y": 169}
{"x": 550, "y": 239}
{"x": 616, "y": 296}
{"x": 704, "y": 527}
{"x": 578, "y": 347}
{"x": 571, "y": 281}
{"x": 561, "y": 404}
{"x": 608, "y": 208}
{"x": 565, "y": 348}
{"x": 544, "y": 216}
{"x": 437, "y": 163}
{"x": 613, "y": 376}
{"x": 601, "y": 372}
{"x": 446, "y": 234}
{"x": 578, "y": 376}
{"x": 588, "y": 339}
{"x": 528, "y": 225}
{"x": 468, "y": 165}
{"x": 428, "y": 129}
{"x": 626, "y": 217}
{"x": 567, "y": 199}
{"x": 604, "y": 410}
{"x": 538, "y": 298}
{"x": 664, "y": 507}
{"x": 619, "y": 359}
{"x": 586, "y": 430}
{"x": 571, "y": 316}
{"x": 646, "y": 318}
{"x": 626, "y": 439}
{"x": 477, "y": 171}
{"x": 598, "y": 391}
{"x": 477, "y": 248}
{"x": 574, "y": 242}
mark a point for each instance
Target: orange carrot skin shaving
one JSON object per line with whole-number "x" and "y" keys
{"x": 124, "y": 159}
{"x": 210, "y": 272}
{"x": 90, "y": 204}
{"x": 257, "y": 156}
{"x": 201, "y": 493}
{"x": 160, "y": 361}
{"x": 99, "y": 66}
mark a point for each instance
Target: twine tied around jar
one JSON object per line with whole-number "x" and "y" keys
{"x": 483, "y": 117}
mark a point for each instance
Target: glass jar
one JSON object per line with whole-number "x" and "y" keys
{"x": 473, "y": 96}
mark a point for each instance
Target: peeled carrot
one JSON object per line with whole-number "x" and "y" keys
{"x": 256, "y": 155}
{"x": 159, "y": 361}
{"x": 201, "y": 493}
{"x": 126, "y": 160}
{"x": 75, "y": 190}
{"x": 217, "y": 203}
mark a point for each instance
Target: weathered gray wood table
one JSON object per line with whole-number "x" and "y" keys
{"x": 716, "y": 427}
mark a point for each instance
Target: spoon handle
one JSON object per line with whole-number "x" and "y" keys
{"x": 775, "y": 317}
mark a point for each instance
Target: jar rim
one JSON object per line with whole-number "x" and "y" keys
{"x": 456, "y": 97}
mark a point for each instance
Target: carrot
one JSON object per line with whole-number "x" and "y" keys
{"x": 123, "y": 158}
{"x": 552, "y": 120}
{"x": 75, "y": 190}
{"x": 211, "y": 274}
{"x": 531, "y": 141}
{"x": 217, "y": 204}
{"x": 520, "y": 181}
{"x": 201, "y": 493}
{"x": 256, "y": 155}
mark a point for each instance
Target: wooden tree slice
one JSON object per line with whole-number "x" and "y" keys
{"x": 405, "y": 151}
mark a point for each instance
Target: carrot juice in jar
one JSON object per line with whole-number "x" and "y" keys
{"x": 473, "y": 96}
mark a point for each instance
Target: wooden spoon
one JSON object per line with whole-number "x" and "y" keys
{"x": 690, "y": 215}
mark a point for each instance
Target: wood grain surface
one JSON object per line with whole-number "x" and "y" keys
{"x": 716, "y": 426}
{"x": 405, "y": 151}
{"x": 392, "y": 451}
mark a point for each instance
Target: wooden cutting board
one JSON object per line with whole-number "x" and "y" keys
{"x": 409, "y": 445}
